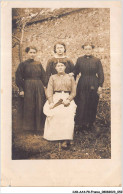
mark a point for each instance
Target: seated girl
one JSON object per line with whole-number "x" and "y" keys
{"x": 60, "y": 107}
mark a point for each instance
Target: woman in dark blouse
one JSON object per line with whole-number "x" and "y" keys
{"x": 89, "y": 87}
{"x": 59, "y": 57}
{"x": 31, "y": 79}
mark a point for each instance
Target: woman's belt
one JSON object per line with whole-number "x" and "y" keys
{"x": 62, "y": 92}
{"x": 37, "y": 78}
{"x": 87, "y": 75}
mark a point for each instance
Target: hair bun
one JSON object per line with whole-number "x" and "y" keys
{"x": 88, "y": 44}
{"x": 30, "y": 47}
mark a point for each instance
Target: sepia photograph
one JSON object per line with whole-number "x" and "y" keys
{"x": 61, "y": 83}
{"x": 61, "y": 94}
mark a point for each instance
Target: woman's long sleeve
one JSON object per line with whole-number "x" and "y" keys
{"x": 48, "y": 70}
{"x": 50, "y": 90}
{"x": 100, "y": 73}
{"x": 43, "y": 76}
{"x": 73, "y": 89}
{"x": 76, "y": 69}
{"x": 71, "y": 66}
{"x": 20, "y": 77}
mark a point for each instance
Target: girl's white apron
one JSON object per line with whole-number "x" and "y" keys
{"x": 59, "y": 124}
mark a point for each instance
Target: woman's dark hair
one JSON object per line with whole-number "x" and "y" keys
{"x": 88, "y": 44}
{"x": 30, "y": 47}
{"x": 60, "y": 62}
{"x": 61, "y": 43}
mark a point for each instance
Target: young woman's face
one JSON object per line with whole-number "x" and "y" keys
{"x": 32, "y": 53}
{"x": 88, "y": 50}
{"x": 60, "y": 49}
{"x": 60, "y": 68}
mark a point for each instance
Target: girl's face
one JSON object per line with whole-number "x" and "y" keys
{"x": 32, "y": 53}
{"x": 88, "y": 50}
{"x": 60, "y": 49}
{"x": 60, "y": 68}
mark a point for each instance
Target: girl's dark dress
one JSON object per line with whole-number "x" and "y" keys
{"x": 50, "y": 69}
{"x": 30, "y": 78}
{"x": 92, "y": 77}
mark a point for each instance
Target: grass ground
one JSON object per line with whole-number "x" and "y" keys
{"x": 88, "y": 144}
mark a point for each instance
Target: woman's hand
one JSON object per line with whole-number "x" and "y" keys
{"x": 66, "y": 102}
{"x": 51, "y": 105}
{"x": 45, "y": 90}
{"x": 71, "y": 74}
{"x": 21, "y": 93}
{"x": 99, "y": 91}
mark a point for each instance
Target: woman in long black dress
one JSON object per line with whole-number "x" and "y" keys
{"x": 31, "y": 79}
{"x": 89, "y": 87}
{"x": 59, "y": 57}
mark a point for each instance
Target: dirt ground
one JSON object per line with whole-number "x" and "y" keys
{"x": 87, "y": 144}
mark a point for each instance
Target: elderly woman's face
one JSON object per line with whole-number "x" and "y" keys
{"x": 60, "y": 49}
{"x": 88, "y": 50}
{"x": 60, "y": 68}
{"x": 32, "y": 53}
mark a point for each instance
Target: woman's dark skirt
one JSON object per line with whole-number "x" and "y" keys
{"x": 31, "y": 106}
{"x": 86, "y": 101}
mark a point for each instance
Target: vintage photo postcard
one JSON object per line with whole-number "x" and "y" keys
{"x": 61, "y": 93}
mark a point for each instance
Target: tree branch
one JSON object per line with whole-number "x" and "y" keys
{"x": 18, "y": 12}
{"x": 15, "y": 44}
{"x": 32, "y": 18}
{"x": 36, "y": 15}
{"x": 16, "y": 38}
